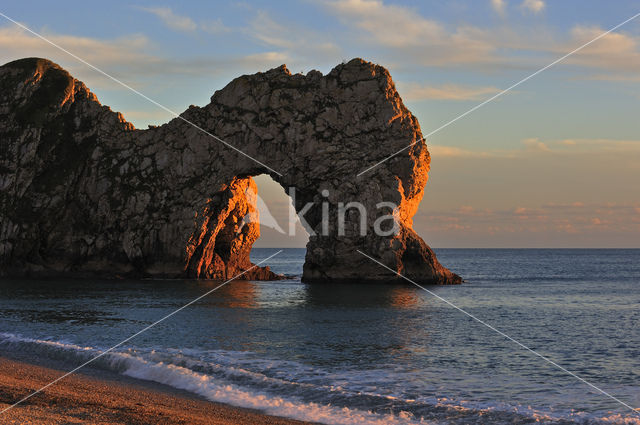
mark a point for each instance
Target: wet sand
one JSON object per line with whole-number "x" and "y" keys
{"x": 98, "y": 398}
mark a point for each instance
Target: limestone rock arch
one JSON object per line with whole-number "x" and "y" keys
{"x": 82, "y": 192}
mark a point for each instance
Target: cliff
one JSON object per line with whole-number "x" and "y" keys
{"x": 84, "y": 193}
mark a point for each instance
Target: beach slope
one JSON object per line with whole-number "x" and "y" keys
{"x": 82, "y": 398}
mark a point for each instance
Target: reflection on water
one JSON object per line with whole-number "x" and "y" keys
{"x": 236, "y": 294}
{"x": 359, "y": 296}
{"x": 319, "y": 323}
{"x": 403, "y": 297}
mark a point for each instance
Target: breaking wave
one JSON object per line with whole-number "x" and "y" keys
{"x": 286, "y": 389}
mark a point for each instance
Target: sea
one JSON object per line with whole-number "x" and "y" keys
{"x": 366, "y": 354}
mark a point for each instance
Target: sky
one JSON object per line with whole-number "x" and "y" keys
{"x": 553, "y": 163}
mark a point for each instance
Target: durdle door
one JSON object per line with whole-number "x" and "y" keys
{"x": 84, "y": 193}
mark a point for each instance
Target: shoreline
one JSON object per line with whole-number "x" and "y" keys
{"x": 98, "y": 396}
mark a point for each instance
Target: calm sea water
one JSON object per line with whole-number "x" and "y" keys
{"x": 366, "y": 353}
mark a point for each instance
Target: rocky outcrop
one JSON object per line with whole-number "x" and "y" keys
{"x": 82, "y": 192}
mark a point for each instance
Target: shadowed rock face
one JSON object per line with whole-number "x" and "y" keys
{"x": 82, "y": 192}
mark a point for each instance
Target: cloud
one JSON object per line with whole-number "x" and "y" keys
{"x": 500, "y": 7}
{"x": 532, "y": 145}
{"x": 268, "y": 31}
{"x": 414, "y": 91}
{"x": 264, "y": 58}
{"x": 615, "y": 51}
{"x": 129, "y": 58}
{"x": 184, "y": 23}
{"x": 618, "y": 53}
{"x": 122, "y": 51}
{"x": 215, "y": 27}
{"x": 539, "y": 197}
{"x": 148, "y": 115}
{"x": 390, "y": 25}
{"x": 598, "y": 145}
{"x": 618, "y": 77}
{"x": 171, "y": 19}
{"x": 300, "y": 44}
{"x": 406, "y": 33}
{"x": 293, "y": 43}
{"x": 534, "y": 6}
{"x": 572, "y": 218}
{"x": 536, "y": 145}
{"x": 456, "y": 152}
{"x": 427, "y": 42}
{"x": 572, "y": 146}
{"x": 438, "y": 151}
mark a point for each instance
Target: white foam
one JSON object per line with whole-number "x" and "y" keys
{"x": 197, "y": 383}
{"x": 185, "y": 379}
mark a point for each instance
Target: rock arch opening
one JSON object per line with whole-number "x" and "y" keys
{"x": 232, "y": 222}
{"x": 280, "y": 226}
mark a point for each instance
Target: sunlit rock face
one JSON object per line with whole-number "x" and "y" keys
{"x": 84, "y": 193}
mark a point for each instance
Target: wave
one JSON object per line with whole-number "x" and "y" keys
{"x": 181, "y": 377}
{"x": 231, "y": 377}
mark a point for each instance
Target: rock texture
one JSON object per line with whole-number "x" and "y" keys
{"x": 82, "y": 192}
